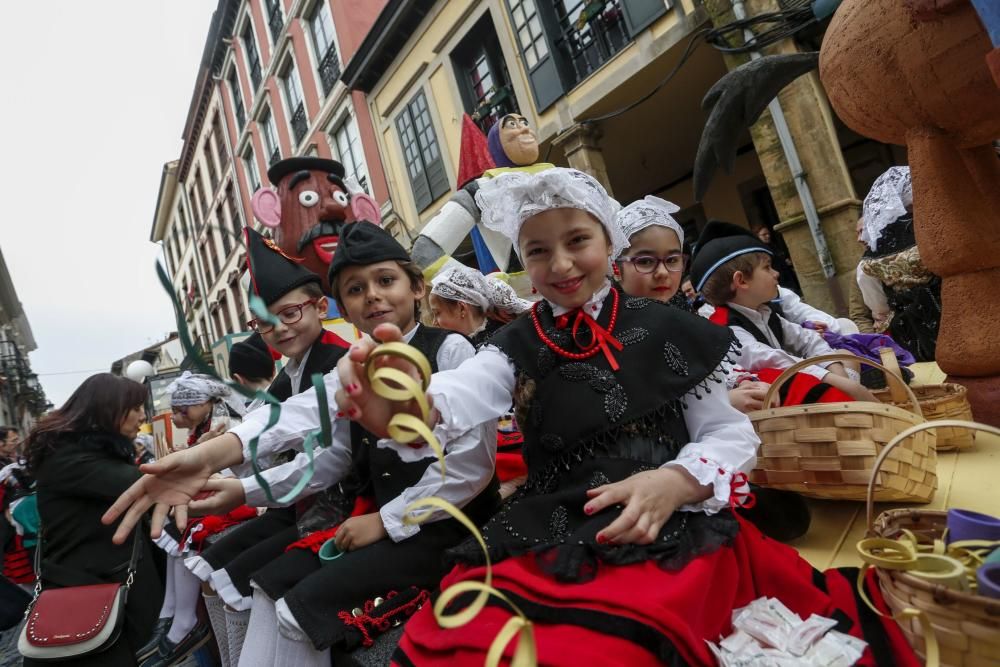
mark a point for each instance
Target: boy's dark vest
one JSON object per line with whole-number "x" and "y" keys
{"x": 389, "y": 474}
{"x": 730, "y": 317}
{"x": 572, "y": 410}
{"x": 324, "y": 354}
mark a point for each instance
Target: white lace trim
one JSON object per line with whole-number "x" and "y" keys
{"x": 646, "y": 212}
{"x": 891, "y": 193}
{"x": 709, "y": 473}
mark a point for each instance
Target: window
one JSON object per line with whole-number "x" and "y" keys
{"x": 241, "y": 311}
{"x": 206, "y": 334}
{"x": 234, "y": 90}
{"x": 200, "y": 189}
{"x": 220, "y": 141}
{"x": 250, "y": 167}
{"x": 213, "y": 174}
{"x": 528, "y": 26}
{"x": 234, "y": 217}
{"x": 196, "y": 205}
{"x": 293, "y": 94}
{"x": 225, "y": 232}
{"x": 424, "y": 165}
{"x": 224, "y": 307}
{"x": 274, "y": 19}
{"x": 346, "y": 146}
{"x": 482, "y": 75}
{"x": 206, "y": 266}
{"x": 321, "y": 30}
{"x": 592, "y": 32}
{"x": 213, "y": 254}
{"x": 270, "y": 137}
{"x": 253, "y": 59}
{"x": 218, "y": 321}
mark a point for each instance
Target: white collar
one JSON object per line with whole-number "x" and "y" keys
{"x": 593, "y": 305}
{"x": 294, "y": 368}
{"x": 408, "y": 336}
{"x": 762, "y": 312}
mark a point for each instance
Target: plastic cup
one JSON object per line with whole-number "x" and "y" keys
{"x": 988, "y": 577}
{"x": 968, "y": 525}
{"x": 329, "y": 552}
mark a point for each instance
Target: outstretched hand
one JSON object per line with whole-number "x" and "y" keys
{"x": 170, "y": 482}
{"x": 649, "y": 499}
{"x": 355, "y": 399}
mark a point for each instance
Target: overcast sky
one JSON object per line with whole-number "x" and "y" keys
{"x": 95, "y": 98}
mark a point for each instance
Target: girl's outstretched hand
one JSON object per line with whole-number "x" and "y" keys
{"x": 649, "y": 498}
{"x": 355, "y": 399}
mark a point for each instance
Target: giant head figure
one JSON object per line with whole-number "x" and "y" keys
{"x": 512, "y": 142}
{"x": 308, "y": 207}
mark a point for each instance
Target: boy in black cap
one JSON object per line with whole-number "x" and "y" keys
{"x": 732, "y": 269}
{"x": 294, "y": 297}
{"x": 251, "y": 364}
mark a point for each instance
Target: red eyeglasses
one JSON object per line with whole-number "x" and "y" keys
{"x": 287, "y": 315}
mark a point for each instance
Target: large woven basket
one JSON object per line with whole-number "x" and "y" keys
{"x": 966, "y": 626}
{"x": 827, "y": 450}
{"x": 947, "y": 400}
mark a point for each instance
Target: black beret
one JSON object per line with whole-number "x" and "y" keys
{"x": 251, "y": 358}
{"x": 718, "y": 243}
{"x": 362, "y": 243}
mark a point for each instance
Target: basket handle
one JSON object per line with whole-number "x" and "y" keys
{"x": 913, "y": 430}
{"x": 787, "y": 374}
{"x": 889, "y": 361}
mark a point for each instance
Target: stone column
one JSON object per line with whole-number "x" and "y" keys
{"x": 810, "y": 121}
{"x": 580, "y": 145}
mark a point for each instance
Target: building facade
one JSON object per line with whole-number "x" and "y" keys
{"x": 22, "y": 399}
{"x": 589, "y": 77}
{"x": 268, "y": 88}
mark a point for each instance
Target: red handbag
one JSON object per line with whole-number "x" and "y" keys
{"x": 65, "y": 623}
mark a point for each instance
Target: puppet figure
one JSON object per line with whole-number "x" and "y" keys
{"x": 308, "y": 207}
{"x": 513, "y": 146}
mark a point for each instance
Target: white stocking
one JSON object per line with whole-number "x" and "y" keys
{"x": 187, "y": 590}
{"x": 217, "y": 617}
{"x": 262, "y": 633}
{"x": 167, "y": 610}
{"x": 236, "y": 632}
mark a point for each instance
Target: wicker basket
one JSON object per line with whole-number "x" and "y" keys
{"x": 966, "y": 626}
{"x": 827, "y": 450}
{"x": 937, "y": 401}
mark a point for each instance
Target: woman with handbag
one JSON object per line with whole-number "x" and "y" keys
{"x": 82, "y": 458}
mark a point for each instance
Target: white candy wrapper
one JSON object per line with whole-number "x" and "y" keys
{"x": 766, "y": 633}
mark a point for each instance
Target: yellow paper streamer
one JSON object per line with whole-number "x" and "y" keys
{"x": 396, "y": 385}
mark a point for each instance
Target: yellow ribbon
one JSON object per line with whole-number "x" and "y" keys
{"x": 396, "y": 385}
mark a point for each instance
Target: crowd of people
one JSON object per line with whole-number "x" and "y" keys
{"x": 597, "y": 437}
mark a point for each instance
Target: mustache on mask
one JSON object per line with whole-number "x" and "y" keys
{"x": 322, "y": 229}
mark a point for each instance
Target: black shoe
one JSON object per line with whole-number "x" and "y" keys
{"x": 160, "y": 631}
{"x": 169, "y": 653}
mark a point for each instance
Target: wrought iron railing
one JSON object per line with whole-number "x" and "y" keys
{"x": 591, "y": 33}
{"x": 329, "y": 69}
{"x": 300, "y": 124}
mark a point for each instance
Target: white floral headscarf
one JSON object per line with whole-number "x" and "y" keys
{"x": 509, "y": 199}
{"x": 196, "y": 388}
{"x": 646, "y": 212}
{"x": 465, "y": 284}
{"x": 891, "y": 194}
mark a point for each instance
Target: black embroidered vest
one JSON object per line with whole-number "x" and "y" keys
{"x": 323, "y": 357}
{"x": 731, "y": 317}
{"x": 568, "y": 409}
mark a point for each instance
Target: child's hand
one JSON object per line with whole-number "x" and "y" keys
{"x": 219, "y": 495}
{"x": 749, "y": 396}
{"x": 360, "y": 531}
{"x": 837, "y": 368}
{"x": 213, "y": 433}
{"x": 819, "y": 328}
{"x": 649, "y": 498}
{"x": 355, "y": 399}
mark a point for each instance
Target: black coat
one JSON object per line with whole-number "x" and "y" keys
{"x": 77, "y": 482}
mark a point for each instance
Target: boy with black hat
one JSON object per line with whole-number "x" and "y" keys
{"x": 294, "y": 297}
{"x": 732, "y": 269}
{"x": 251, "y": 364}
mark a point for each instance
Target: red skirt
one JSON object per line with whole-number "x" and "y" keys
{"x": 630, "y": 615}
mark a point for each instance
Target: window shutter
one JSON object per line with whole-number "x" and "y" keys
{"x": 639, "y": 14}
{"x": 533, "y": 32}
{"x": 414, "y": 163}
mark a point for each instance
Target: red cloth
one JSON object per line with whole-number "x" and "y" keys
{"x": 314, "y": 541}
{"x": 510, "y": 461}
{"x": 330, "y": 338}
{"x": 474, "y": 152}
{"x": 686, "y": 607}
{"x": 17, "y": 566}
{"x": 215, "y": 523}
{"x": 800, "y": 385}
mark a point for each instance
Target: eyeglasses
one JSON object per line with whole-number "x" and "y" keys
{"x": 649, "y": 263}
{"x": 287, "y": 315}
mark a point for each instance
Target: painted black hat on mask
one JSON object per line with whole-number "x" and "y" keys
{"x": 273, "y": 274}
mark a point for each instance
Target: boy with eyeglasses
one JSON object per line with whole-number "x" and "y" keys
{"x": 294, "y": 296}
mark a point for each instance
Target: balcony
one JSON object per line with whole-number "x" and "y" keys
{"x": 329, "y": 69}
{"x": 300, "y": 124}
{"x": 590, "y": 34}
